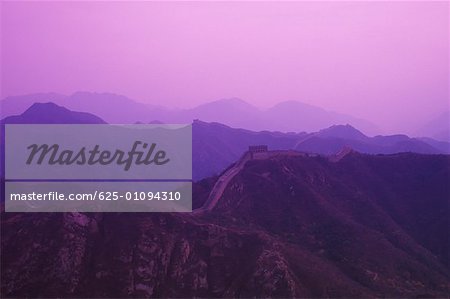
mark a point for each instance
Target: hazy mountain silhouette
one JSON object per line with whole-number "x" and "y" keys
{"x": 442, "y": 146}
{"x": 110, "y": 107}
{"x": 234, "y": 112}
{"x": 296, "y": 116}
{"x": 15, "y": 105}
{"x": 330, "y": 141}
{"x": 343, "y": 132}
{"x": 289, "y": 116}
{"x": 438, "y": 128}
{"x": 44, "y": 113}
{"x": 50, "y": 113}
{"x": 216, "y": 146}
{"x": 285, "y": 226}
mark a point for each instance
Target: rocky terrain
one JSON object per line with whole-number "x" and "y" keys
{"x": 286, "y": 226}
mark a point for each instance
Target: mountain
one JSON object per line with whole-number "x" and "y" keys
{"x": 216, "y": 146}
{"x": 50, "y": 113}
{"x": 15, "y": 105}
{"x": 289, "y": 116}
{"x": 234, "y": 112}
{"x": 438, "y": 128}
{"x": 442, "y": 146}
{"x": 366, "y": 214}
{"x": 296, "y": 116}
{"x": 330, "y": 141}
{"x": 110, "y": 107}
{"x": 285, "y": 226}
{"x": 343, "y": 132}
{"x": 44, "y": 113}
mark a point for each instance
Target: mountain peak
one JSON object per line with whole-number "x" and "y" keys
{"x": 51, "y": 113}
{"x": 293, "y": 104}
{"x": 342, "y": 131}
{"x": 231, "y": 102}
{"x": 47, "y": 107}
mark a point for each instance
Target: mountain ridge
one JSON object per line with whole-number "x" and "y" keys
{"x": 51, "y": 113}
{"x": 217, "y": 145}
{"x": 285, "y": 226}
{"x": 233, "y": 111}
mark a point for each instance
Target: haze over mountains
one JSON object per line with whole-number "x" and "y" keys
{"x": 50, "y": 113}
{"x": 289, "y": 116}
{"x": 216, "y": 146}
{"x": 438, "y": 128}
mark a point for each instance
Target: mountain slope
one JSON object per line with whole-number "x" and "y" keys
{"x": 438, "y": 128}
{"x": 215, "y": 146}
{"x": 110, "y": 107}
{"x": 15, "y": 105}
{"x": 286, "y": 226}
{"x": 297, "y": 116}
{"x": 382, "y": 220}
{"x": 329, "y": 141}
{"x": 44, "y": 113}
{"x": 287, "y": 116}
{"x": 50, "y": 113}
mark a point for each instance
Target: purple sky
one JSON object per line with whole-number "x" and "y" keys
{"x": 383, "y": 61}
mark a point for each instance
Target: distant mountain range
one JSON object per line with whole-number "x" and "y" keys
{"x": 366, "y": 226}
{"x": 216, "y": 146}
{"x": 331, "y": 140}
{"x": 438, "y": 128}
{"x": 289, "y": 116}
{"x": 110, "y": 107}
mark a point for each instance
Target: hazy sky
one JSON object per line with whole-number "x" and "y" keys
{"x": 387, "y": 62}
